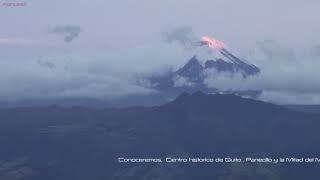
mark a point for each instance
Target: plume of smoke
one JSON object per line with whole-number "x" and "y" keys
{"x": 69, "y": 32}
{"x": 184, "y": 36}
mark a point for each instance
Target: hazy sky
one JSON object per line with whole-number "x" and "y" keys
{"x": 90, "y": 48}
{"x": 131, "y": 23}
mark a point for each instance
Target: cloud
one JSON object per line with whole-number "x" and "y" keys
{"x": 69, "y": 32}
{"x": 39, "y": 81}
{"x": 290, "y": 97}
{"x": 6, "y": 41}
{"x": 18, "y": 41}
{"x": 183, "y": 35}
{"x": 46, "y": 63}
{"x": 102, "y": 74}
{"x": 180, "y": 81}
{"x": 225, "y": 81}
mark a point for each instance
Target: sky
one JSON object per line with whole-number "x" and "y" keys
{"x": 80, "y": 48}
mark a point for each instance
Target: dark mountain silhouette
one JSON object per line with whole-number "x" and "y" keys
{"x": 84, "y": 143}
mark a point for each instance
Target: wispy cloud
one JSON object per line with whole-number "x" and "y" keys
{"x": 69, "y": 32}
{"x": 17, "y": 41}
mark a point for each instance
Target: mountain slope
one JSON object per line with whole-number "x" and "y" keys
{"x": 305, "y": 108}
{"x": 81, "y": 143}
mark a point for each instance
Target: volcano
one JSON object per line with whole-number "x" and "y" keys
{"x": 191, "y": 76}
{"x": 195, "y": 76}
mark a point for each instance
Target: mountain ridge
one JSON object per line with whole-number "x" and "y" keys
{"x": 193, "y": 125}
